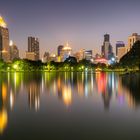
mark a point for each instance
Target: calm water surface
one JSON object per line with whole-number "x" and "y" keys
{"x": 69, "y": 106}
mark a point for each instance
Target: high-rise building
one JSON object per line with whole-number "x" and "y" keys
{"x": 33, "y": 49}
{"x": 4, "y": 41}
{"x": 46, "y": 57}
{"x": 132, "y": 39}
{"x": 53, "y": 57}
{"x": 66, "y": 52}
{"x": 107, "y": 50}
{"x": 88, "y": 55}
{"x": 80, "y": 55}
{"x": 120, "y": 49}
{"x": 60, "y": 48}
{"x": 14, "y": 52}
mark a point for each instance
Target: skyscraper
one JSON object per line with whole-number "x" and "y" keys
{"x": 132, "y": 39}
{"x": 33, "y": 49}
{"x": 46, "y": 57}
{"x": 120, "y": 49}
{"x": 88, "y": 55}
{"x": 107, "y": 50}
{"x": 60, "y": 48}
{"x": 4, "y": 41}
{"x": 14, "y": 52}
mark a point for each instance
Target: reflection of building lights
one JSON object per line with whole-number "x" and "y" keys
{"x": 86, "y": 69}
{"x": 80, "y": 88}
{"x": 11, "y": 100}
{"x": 4, "y": 92}
{"x": 37, "y": 104}
{"x": 34, "y": 96}
{"x": 101, "y": 82}
{"x": 67, "y": 95}
{"x": 3, "y": 120}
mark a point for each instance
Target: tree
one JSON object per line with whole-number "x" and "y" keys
{"x": 133, "y": 56}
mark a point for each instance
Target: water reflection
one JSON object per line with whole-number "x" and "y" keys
{"x": 132, "y": 84}
{"x": 102, "y": 87}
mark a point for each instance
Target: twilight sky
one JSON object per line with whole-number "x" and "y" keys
{"x": 80, "y": 22}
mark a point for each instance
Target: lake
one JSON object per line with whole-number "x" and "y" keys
{"x": 69, "y": 106}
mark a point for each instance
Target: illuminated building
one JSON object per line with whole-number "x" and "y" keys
{"x": 66, "y": 52}
{"x": 46, "y": 57}
{"x": 132, "y": 39}
{"x": 107, "y": 50}
{"x": 31, "y": 56}
{"x": 120, "y": 49}
{"x": 59, "y": 49}
{"x": 14, "y": 52}
{"x": 4, "y": 41}
{"x": 80, "y": 55}
{"x": 88, "y": 55}
{"x": 33, "y": 49}
{"x": 52, "y": 57}
{"x": 101, "y": 61}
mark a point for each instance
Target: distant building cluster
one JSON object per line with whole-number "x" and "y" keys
{"x": 9, "y": 51}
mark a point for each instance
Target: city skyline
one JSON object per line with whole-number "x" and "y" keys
{"x": 9, "y": 51}
{"x": 82, "y": 23}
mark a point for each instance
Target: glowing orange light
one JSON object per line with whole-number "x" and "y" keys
{"x": 2, "y": 22}
{"x": 67, "y": 95}
{"x": 67, "y": 47}
{"x": 3, "y": 120}
{"x": 4, "y": 92}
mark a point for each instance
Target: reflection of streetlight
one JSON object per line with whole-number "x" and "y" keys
{"x": 86, "y": 69}
{"x": 15, "y": 66}
{"x": 8, "y": 68}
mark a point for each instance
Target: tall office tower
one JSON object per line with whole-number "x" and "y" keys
{"x": 107, "y": 51}
{"x": 14, "y": 51}
{"x": 33, "y": 49}
{"x": 106, "y": 38}
{"x": 60, "y": 48}
{"x": 88, "y": 55}
{"x": 120, "y": 49}
{"x": 132, "y": 39}
{"x": 4, "y": 41}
